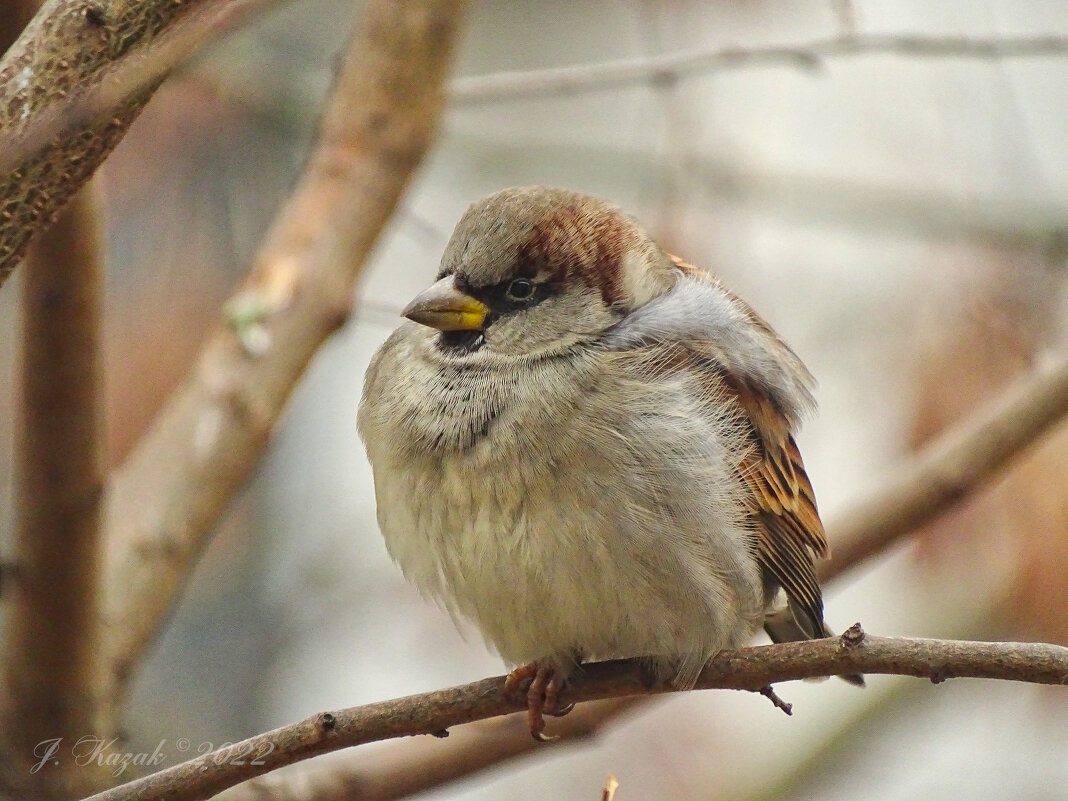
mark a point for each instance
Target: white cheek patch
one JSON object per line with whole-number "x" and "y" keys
{"x": 646, "y": 275}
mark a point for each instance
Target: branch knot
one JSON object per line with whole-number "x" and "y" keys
{"x": 852, "y": 637}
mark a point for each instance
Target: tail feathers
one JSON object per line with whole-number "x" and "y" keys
{"x": 792, "y": 625}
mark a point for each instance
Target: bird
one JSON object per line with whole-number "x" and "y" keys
{"x": 585, "y": 445}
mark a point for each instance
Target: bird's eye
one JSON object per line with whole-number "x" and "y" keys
{"x": 520, "y": 289}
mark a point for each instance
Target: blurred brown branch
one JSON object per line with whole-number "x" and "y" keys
{"x": 748, "y": 669}
{"x": 70, "y": 86}
{"x": 49, "y": 653}
{"x": 48, "y": 658}
{"x": 381, "y": 119}
{"x": 562, "y": 81}
{"x": 953, "y": 465}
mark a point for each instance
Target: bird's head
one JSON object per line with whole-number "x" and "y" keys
{"x": 531, "y": 271}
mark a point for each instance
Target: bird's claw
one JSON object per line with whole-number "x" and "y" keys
{"x": 542, "y": 696}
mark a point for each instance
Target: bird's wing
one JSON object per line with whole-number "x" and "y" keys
{"x": 789, "y": 533}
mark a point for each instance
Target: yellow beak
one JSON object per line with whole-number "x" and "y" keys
{"x": 444, "y": 307}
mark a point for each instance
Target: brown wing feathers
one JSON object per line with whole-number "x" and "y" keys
{"x": 789, "y": 533}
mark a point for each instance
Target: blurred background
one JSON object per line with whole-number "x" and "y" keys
{"x": 902, "y": 221}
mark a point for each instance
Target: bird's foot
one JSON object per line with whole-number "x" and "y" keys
{"x": 543, "y": 695}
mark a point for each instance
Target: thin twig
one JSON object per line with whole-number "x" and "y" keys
{"x": 611, "y": 784}
{"x": 51, "y": 606}
{"x": 382, "y": 117}
{"x": 951, "y": 467}
{"x": 561, "y": 81}
{"x": 769, "y": 693}
{"x": 748, "y": 669}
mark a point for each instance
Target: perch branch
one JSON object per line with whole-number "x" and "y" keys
{"x": 748, "y": 669}
{"x": 381, "y": 119}
{"x": 72, "y": 84}
{"x": 671, "y": 67}
{"x": 952, "y": 466}
{"x": 417, "y": 765}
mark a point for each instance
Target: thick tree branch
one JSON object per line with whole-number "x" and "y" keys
{"x": 49, "y": 653}
{"x": 653, "y": 70}
{"x": 748, "y": 669}
{"x": 69, "y": 88}
{"x": 382, "y": 118}
{"x": 952, "y": 466}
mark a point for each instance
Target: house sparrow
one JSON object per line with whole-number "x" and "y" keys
{"x": 585, "y": 445}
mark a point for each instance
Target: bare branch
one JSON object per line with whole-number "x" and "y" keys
{"x": 49, "y": 654}
{"x": 69, "y": 88}
{"x": 671, "y": 67}
{"x": 747, "y": 669}
{"x": 382, "y": 117}
{"x": 952, "y": 466}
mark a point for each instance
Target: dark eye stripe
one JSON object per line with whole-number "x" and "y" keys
{"x": 510, "y": 295}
